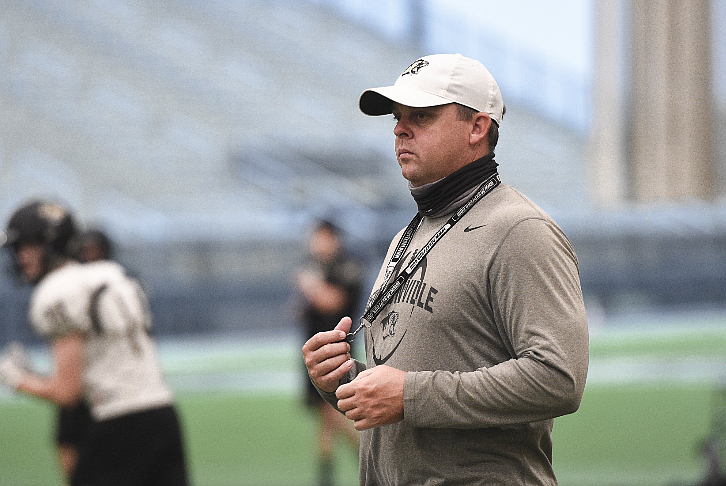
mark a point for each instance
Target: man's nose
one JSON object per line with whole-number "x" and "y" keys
{"x": 401, "y": 128}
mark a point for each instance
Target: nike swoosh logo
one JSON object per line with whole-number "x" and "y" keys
{"x": 472, "y": 228}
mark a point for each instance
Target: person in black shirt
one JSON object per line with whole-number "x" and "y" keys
{"x": 330, "y": 285}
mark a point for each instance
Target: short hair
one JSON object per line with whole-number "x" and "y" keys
{"x": 329, "y": 226}
{"x": 99, "y": 239}
{"x": 466, "y": 113}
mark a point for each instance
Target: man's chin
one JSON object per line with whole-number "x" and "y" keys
{"x": 408, "y": 173}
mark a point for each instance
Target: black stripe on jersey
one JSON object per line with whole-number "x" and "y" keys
{"x": 93, "y": 308}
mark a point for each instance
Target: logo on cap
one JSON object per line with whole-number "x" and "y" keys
{"x": 415, "y": 67}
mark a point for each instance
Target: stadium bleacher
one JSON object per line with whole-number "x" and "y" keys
{"x": 205, "y": 135}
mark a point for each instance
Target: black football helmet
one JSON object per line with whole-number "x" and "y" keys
{"x": 44, "y": 223}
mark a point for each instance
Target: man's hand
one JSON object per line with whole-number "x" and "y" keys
{"x": 374, "y": 398}
{"x": 14, "y": 365}
{"x": 327, "y": 356}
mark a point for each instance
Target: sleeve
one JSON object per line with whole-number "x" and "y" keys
{"x": 537, "y": 304}
{"x": 58, "y": 310}
{"x": 330, "y": 397}
{"x": 56, "y": 321}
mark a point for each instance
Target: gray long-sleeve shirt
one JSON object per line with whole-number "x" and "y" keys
{"x": 492, "y": 332}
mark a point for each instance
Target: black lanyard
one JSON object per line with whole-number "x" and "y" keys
{"x": 389, "y": 288}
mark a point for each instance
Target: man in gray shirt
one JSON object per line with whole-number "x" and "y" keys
{"x": 476, "y": 335}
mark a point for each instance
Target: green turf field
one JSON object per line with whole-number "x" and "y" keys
{"x": 647, "y": 405}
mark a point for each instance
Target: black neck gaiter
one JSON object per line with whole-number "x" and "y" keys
{"x": 438, "y": 198}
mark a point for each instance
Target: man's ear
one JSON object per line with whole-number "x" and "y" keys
{"x": 480, "y": 128}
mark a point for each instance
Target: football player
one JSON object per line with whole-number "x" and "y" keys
{"x": 97, "y": 322}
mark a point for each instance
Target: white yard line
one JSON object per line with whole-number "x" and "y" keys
{"x": 273, "y": 363}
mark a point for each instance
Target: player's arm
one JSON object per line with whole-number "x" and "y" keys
{"x": 63, "y": 386}
{"x": 325, "y": 297}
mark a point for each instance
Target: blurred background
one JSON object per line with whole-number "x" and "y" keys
{"x": 205, "y": 137}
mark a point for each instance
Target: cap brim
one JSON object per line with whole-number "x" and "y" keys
{"x": 379, "y": 101}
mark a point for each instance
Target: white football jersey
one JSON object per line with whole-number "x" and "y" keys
{"x": 121, "y": 372}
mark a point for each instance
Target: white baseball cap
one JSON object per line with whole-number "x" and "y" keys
{"x": 438, "y": 80}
